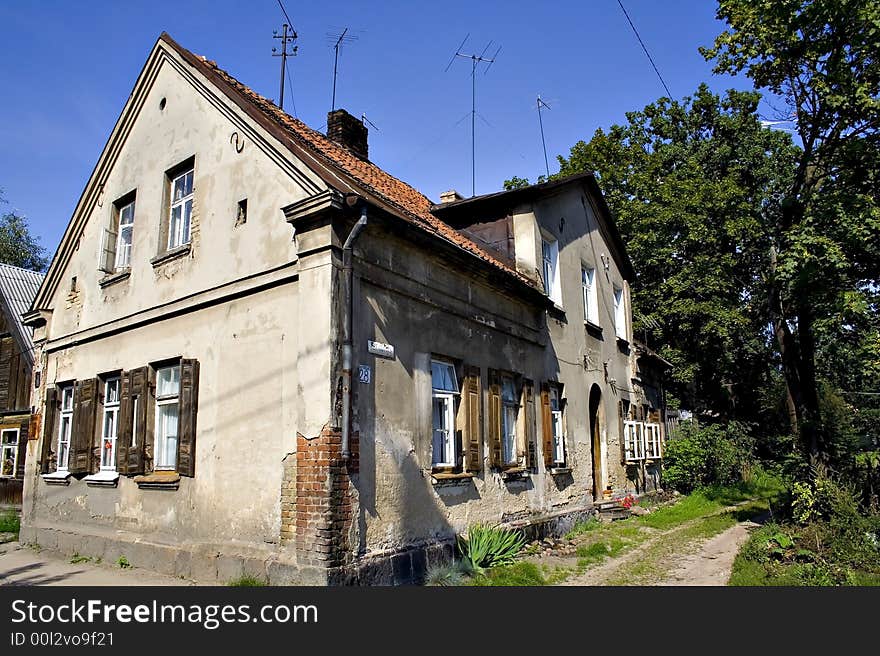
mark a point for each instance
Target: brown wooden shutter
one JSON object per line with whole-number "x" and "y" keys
{"x": 189, "y": 406}
{"x": 529, "y": 419}
{"x": 22, "y": 447}
{"x": 472, "y": 425}
{"x": 83, "y": 438}
{"x": 495, "y": 419}
{"x": 49, "y": 434}
{"x": 547, "y": 425}
{"x": 130, "y": 447}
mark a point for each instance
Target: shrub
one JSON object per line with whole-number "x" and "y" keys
{"x": 716, "y": 454}
{"x": 246, "y": 582}
{"x": 123, "y": 562}
{"x": 489, "y": 546}
{"x": 9, "y": 522}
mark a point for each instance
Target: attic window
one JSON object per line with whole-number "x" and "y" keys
{"x": 241, "y": 212}
{"x": 73, "y": 284}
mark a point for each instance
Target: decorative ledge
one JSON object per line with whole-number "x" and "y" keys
{"x": 593, "y": 328}
{"x": 112, "y": 278}
{"x": 450, "y": 478}
{"x": 57, "y": 478}
{"x": 104, "y": 478}
{"x": 158, "y": 481}
{"x": 554, "y": 471}
{"x": 173, "y": 254}
{"x": 514, "y": 473}
{"x": 316, "y": 205}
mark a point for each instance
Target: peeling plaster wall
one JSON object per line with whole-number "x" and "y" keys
{"x": 422, "y": 305}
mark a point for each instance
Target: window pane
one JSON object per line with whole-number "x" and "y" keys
{"x": 126, "y": 214}
{"x": 188, "y": 184}
{"x": 9, "y": 437}
{"x": 554, "y": 399}
{"x": 168, "y": 381}
{"x": 508, "y": 390}
{"x": 174, "y": 227}
{"x": 509, "y": 419}
{"x": 441, "y": 430}
{"x": 7, "y": 462}
{"x": 187, "y": 215}
{"x": 111, "y": 391}
{"x": 166, "y": 453}
{"x": 443, "y": 377}
{"x": 67, "y": 398}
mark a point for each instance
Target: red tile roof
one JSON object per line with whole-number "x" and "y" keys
{"x": 409, "y": 203}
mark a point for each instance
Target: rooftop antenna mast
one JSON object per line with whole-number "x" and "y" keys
{"x": 541, "y": 104}
{"x": 475, "y": 59}
{"x": 285, "y": 37}
{"x": 344, "y": 37}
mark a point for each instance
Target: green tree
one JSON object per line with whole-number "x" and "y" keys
{"x": 18, "y": 246}
{"x": 685, "y": 180}
{"x": 823, "y": 251}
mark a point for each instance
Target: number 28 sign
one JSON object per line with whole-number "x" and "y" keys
{"x": 364, "y": 374}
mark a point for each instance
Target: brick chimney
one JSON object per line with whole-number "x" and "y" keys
{"x": 347, "y": 131}
{"x": 450, "y": 196}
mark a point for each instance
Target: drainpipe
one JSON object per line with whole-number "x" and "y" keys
{"x": 347, "y": 312}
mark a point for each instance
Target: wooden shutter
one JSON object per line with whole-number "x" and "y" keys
{"x": 83, "y": 438}
{"x": 529, "y": 419}
{"x": 547, "y": 425}
{"x": 51, "y": 414}
{"x": 495, "y": 419}
{"x": 189, "y": 405}
{"x": 472, "y": 425}
{"x": 131, "y": 447}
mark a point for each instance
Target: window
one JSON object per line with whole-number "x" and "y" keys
{"x": 444, "y": 386}
{"x": 167, "y": 414}
{"x": 509, "y": 410}
{"x": 65, "y": 426}
{"x": 642, "y": 440}
{"x": 116, "y": 240}
{"x": 110, "y": 425}
{"x": 180, "y": 213}
{"x": 591, "y": 299}
{"x": 241, "y": 212}
{"x": 126, "y": 230}
{"x": 556, "y": 422}
{"x": 8, "y": 452}
{"x": 550, "y": 257}
{"x": 619, "y": 314}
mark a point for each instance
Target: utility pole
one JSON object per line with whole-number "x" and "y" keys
{"x": 285, "y": 37}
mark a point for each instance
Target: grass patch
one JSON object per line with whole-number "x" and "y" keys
{"x": 75, "y": 559}
{"x": 695, "y": 505}
{"x": 583, "y": 526}
{"x": 517, "y": 574}
{"x": 247, "y": 582}
{"x": 9, "y": 522}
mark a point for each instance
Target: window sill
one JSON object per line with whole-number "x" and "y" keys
{"x": 115, "y": 277}
{"x": 593, "y": 328}
{"x": 449, "y": 478}
{"x": 555, "y": 471}
{"x": 160, "y": 480}
{"x": 56, "y": 478}
{"x": 513, "y": 473}
{"x": 172, "y": 254}
{"x": 104, "y": 478}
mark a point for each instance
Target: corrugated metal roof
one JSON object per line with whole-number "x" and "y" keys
{"x": 18, "y": 288}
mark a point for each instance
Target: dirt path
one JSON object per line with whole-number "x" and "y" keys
{"x": 681, "y": 556}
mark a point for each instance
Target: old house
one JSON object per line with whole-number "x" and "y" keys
{"x": 17, "y": 290}
{"x": 263, "y": 354}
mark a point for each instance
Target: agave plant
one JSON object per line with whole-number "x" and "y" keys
{"x": 488, "y": 546}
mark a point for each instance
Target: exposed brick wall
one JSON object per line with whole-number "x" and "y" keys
{"x": 323, "y": 501}
{"x": 288, "y": 499}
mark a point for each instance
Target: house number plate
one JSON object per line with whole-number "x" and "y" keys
{"x": 364, "y": 374}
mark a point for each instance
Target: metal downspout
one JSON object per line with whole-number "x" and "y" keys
{"x": 347, "y": 313}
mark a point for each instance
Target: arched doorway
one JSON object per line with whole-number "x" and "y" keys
{"x": 596, "y": 420}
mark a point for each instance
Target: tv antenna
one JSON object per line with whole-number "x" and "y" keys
{"x": 542, "y": 104}
{"x": 475, "y": 59}
{"x": 342, "y": 38}
{"x": 285, "y": 37}
{"x": 364, "y": 119}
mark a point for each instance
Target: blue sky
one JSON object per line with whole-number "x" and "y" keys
{"x": 68, "y": 67}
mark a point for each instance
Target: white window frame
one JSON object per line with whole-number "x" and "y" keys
{"x": 65, "y": 427}
{"x": 653, "y": 441}
{"x": 591, "y": 296}
{"x": 123, "y": 247}
{"x": 619, "y": 299}
{"x": 509, "y": 413}
{"x": 550, "y": 268}
{"x": 179, "y": 233}
{"x": 161, "y": 434}
{"x": 9, "y": 446}
{"x": 557, "y": 427}
{"x": 110, "y": 422}
{"x": 446, "y": 397}
{"x": 642, "y": 441}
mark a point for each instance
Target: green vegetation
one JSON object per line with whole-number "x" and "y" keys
{"x": 76, "y": 558}
{"x": 247, "y": 582}
{"x": 489, "y": 546}
{"x": 9, "y": 522}
{"x": 18, "y": 246}
{"x": 583, "y": 526}
{"x": 516, "y": 574}
{"x": 123, "y": 563}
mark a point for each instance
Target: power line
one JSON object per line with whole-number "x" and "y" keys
{"x": 289, "y": 22}
{"x": 642, "y": 43}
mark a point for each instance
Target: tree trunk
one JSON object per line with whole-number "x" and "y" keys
{"x": 812, "y": 432}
